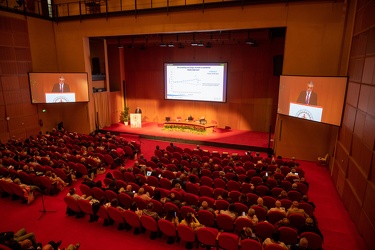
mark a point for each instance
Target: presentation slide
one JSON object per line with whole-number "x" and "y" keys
{"x": 195, "y": 81}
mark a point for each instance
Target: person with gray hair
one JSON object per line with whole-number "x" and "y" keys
{"x": 307, "y": 96}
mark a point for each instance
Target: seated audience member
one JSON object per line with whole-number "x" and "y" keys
{"x": 205, "y": 206}
{"x": 60, "y": 184}
{"x": 293, "y": 173}
{"x": 302, "y": 245}
{"x": 191, "y": 221}
{"x": 278, "y": 208}
{"x": 149, "y": 211}
{"x": 295, "y": 210}
{"x": 247, "y": 233}
{"x": 127, "y": 190}
{"x": 172, "y": 198}
{"x": 310, "y": 226}
{"x": 283, "y": 195}
{"x": 177, "y": 188}
{"x": 55, "y": 246}
{"x": 251, "y": 216}
{"x": 73, "y": 193}
{"x": 16, "y": 240}
{"x": 88, "y": 182}
{"x": 28, "y": 191}
{"x": 260, "y": 203}
{"x": 141, "y": 193}
{"x": 171, "y": 216}
{"x": 274, "y": 240}
{"x": 305, "y": 199}
{"x": 231, "y": 211}
{"x": 284, "y": 223}
{"x": 295, "y": 188}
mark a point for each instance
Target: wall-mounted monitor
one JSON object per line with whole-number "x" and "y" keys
{"x": 58, "y": 87}
{"x": 196, "y": 81}
{"x": 319, "y": 99}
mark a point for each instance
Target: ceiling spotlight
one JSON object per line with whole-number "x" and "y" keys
{"x": 194, "y": 44}
{"x": 200, "y": 44}
{"x": 120, "y": 46}
{"x": 163, "y": 45}
{"x": 170, "y": 45}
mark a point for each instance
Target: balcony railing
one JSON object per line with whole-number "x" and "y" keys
{"x": 97, "y": 8}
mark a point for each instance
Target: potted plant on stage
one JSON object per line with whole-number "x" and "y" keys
{"x": 124, "y": 115}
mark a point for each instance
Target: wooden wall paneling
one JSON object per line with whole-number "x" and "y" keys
{"x": 10, "y": 83}
{"x": 345, "y": 139}
{"x": 371, "y": 104}
{"x": 355, "y": 69}
{"x": 352, "y": 94}
{"x": 12, "y": 97}
{"x": 369, "y": 202}
{"x": 349, "y": 115}
{"x": 24, "y": 67}
{"x": 8, "y": 68}
{"x": 364, "y": 97}
{"x": 23, "y": 54}
{"x": 342, "y": 158}
{"x": 25, "y": 96}
{"x": 357, "y": 179}
{"x": 368, "y": 70}
{"x": 366, "y": 228}
{"x": 7, "y": 53}
{"x": 368, "y": 138}
{"x": 351, "y": 201}
{"x": 359, "y": 123}
{"x": 372, "y": 172}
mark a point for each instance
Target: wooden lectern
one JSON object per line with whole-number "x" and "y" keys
{"x": 136, "y": 120}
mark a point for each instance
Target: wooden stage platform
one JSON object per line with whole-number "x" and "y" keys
{"x": 220, "y": 137}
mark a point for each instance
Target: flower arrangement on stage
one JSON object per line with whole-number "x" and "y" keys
{"x": 185, "y": 128}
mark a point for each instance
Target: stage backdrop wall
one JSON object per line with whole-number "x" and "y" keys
{"x": 252, "y": 90}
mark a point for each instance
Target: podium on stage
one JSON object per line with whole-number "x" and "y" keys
{"x": 135, "y": 120}
{"x": 307, "y": 112}
{"x": 60, "y": 97}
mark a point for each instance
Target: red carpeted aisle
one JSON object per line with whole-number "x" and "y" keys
{"x": 339, "y": 231}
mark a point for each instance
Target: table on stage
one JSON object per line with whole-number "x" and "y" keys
{"x": 182, "y": 124}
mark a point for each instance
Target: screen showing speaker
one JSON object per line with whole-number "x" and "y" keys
{"x": 61, "y": 87}
{"x": 315, "y": 98}
{"x": 196, "y": 81}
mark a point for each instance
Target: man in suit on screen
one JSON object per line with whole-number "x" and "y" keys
{"x": 138, "y": 111}
{"x": 307, "y": 96}
{"x": 61, "y": 86}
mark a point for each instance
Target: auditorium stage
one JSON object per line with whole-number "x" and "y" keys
{"x": 228, "y": 138}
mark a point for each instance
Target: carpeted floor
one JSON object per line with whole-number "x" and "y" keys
{"x": 339, "y": 231}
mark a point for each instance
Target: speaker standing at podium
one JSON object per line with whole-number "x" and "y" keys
{"x": 308, "y": 96}
{"x": 138, "y": 111}
{"x": 61, "y": 86}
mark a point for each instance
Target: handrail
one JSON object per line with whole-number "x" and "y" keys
{"x": 105, "y": 8}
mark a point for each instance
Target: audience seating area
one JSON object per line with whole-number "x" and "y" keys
{"x": 218, "y": 178}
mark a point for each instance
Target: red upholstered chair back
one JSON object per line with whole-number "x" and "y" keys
{"x": 315, "y": 241}
{"x": 273, "y": 247}
{"x": 243, "y": 222}
{"x": 225, "y": 222}
{"x": 85, "y": 206}
{"x": 72, "y": 203}
{"x": 115, "y": 214}
{"x": 149, "y": 223}
{"x": 206, "y": 218}
{"x": 249, "y": 244}
{"x": 97, "y": 192}
{"x": 288, "y": 235}
{"x": 192, "y": 199}
{"x": 186, "y": 233}
{"x": 264, "y": 230}
{"x": 207, "y": 236}
{"x": 132, "y": 218}
{"x": 167, "y": 227}
{"x": 228, "y": 241}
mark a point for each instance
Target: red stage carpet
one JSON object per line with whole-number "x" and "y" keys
{"x": 230, "y": 138}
